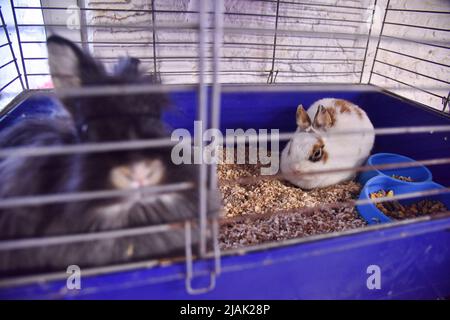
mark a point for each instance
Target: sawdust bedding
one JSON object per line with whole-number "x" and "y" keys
{"x": 269, "y": 210}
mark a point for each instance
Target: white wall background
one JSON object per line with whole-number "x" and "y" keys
{"x": 414, "y": 56}
{"x": 246, "y": 57}
{"x": 329, "y": 48}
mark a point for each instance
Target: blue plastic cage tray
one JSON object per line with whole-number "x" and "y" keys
{"x": 413, "y": 256}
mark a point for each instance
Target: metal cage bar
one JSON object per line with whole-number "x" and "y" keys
{"x": 273, "y": 74}
{"x": 20, "y": 45}
{"x": 216, "y": 87}
{"x": 397, "y": 78}
{"x": 13, "y": 56}
{"x": 368, "y": 40}
{"x": 155, "y": 69}
{"x": 202, "y": 116}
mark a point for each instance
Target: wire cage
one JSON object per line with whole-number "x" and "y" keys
{"x": 9, "y": 65}
{"x": 246, "y": 64}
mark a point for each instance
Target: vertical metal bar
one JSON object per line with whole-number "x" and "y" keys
{"x": 190, "y": 265}
{"x": 215, "y": 233}
{"x": 188, "y": 249}
{"x": 215, "y": 122}
{"x": 202, "y": 118}
{"x": 83, "y": 23}
{"x": 216, "y": 87}
{"x": 367, "y": 42}
{"x": 445, "y": 101}
{"x": 43, "y": 17}
{"x": 271, "y": 78}
{"x": 379, "y": 39}
{"x": 11, "y": 48}
{"x": 13, "y": 8}
{"x": 215, "y": 118}
{"x": 155, "y": 71}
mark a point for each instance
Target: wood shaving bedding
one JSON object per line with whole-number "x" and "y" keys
{"x": 247, "y": 207}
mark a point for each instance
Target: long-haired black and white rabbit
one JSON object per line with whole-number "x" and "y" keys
{"x": 93, "y": 119}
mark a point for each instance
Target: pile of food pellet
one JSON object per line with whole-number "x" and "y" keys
{"x": 403, "y": 178}
{"x": 396, "y": 210}
{"x": 251, "y": 208}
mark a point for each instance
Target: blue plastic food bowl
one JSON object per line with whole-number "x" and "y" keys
{"x": 370, "y": 212}
{"x": 418, "y": 174}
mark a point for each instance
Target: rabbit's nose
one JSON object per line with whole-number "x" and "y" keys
{"x": 139, "y": 180}
{"x": 142, "y": 182}
{"x": 138, "y": 183}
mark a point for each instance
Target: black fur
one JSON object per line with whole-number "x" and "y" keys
{"x": 92, "y": 119}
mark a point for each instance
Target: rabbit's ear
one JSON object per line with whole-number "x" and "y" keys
{"x": 323, "y": 119}
{"x": 303, "y": 120}
{"x": 69, "y": 65}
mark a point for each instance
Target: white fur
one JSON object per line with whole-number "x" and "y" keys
{"x": 138, "y": 174}
{"x": 343, "y": 151}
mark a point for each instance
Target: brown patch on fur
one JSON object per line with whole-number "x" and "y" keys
{"x": 347, "y": 107}
{"x": 325, "y": 157}
{"x": 344, "y": 106}
{"x": 320, "y": 145}
{"x": 359, "y": 112}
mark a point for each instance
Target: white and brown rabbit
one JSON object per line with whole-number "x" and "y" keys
{"x": 93, "y": 119}
{"x": 312, "y": 150}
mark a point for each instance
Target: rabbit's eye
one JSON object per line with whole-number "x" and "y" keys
{"x": 126, "y": 172}
{"x": 317, "y": 155}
